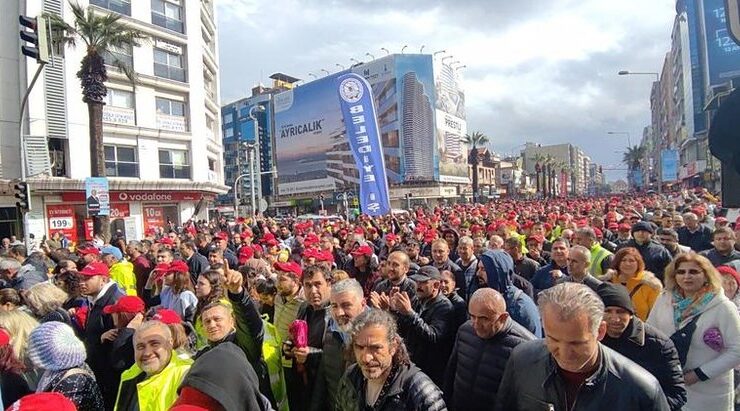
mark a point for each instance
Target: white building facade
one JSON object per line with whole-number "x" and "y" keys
{"x": 161, "y": 135}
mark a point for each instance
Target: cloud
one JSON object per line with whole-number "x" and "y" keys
{"x": 537, "y": 70}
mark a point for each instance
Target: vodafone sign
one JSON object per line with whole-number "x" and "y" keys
{"x": 140, "y": 196}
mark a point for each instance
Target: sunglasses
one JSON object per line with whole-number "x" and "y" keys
{"x": 692, "y": 271}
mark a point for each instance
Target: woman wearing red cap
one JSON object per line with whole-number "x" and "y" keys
{"x": 177, "y": 293}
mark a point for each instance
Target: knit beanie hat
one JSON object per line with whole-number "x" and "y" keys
{"x": 53, "y": 346}
{"x": 614, "y": 295}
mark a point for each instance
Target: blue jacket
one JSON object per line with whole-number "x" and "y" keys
{"x": 499, "y": 270}
{"x": 542, "y": 279}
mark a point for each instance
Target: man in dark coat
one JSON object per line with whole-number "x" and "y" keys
{"x": 656, "y": 256}
{"x": 642, "y": 343}
{"x": 95, "y": 284}
{"x": 459, "y": 305}
{"x": 397, "y": 268}
{"x": 197, "y": 264}
{"x": 427, "y": 326}
{"x": 695, "y": 235}
{"x": 481, "y": 351}
{"x": 384, "y": 375}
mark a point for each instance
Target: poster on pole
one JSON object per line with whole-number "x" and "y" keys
{"x": 97, "y": 196}
{"x": 132, "y": 227}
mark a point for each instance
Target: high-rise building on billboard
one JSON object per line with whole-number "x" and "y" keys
{"x": 417, "y": 129}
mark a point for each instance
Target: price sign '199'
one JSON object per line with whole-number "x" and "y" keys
{"x": 59, "y": 223}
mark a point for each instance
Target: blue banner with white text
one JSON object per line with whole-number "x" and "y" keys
{"x": 358, "y": 111}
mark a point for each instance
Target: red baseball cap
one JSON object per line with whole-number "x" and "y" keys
{"x": 179, "y": 266}
{"x": 221, "y": 236}
{"x": 44, "y": 401}
{"x": 245, "y": 253}
{"x": 95, "y": 268}
{"x": 167, "y": 316}
{"x": 126, "y": 304}
{"x": 325, "y": 256}
{"x": 538, "y": 238}
{"x": 166, "y": 241}
{"x": 624, "y": 227}
{"x": 309, "y": 253}
{"x": 289, "y": 267}
{"x": 257, "y": 248}
{"x": 365, "y": 250}
{"x": 90, "y": 249}
{"x": 391, "y": 237}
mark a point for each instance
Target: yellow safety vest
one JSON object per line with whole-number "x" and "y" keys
{"x": 598, "y": 254}
{"x": 158, "y": 392}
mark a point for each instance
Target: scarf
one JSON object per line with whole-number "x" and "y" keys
{"x": 50, "y": 379}
{"x": 687, "y": 307}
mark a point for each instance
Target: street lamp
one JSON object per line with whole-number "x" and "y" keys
{"x": 387, "y": 53}
{"x": 629, "y": 137}
{"x": 326, "y": 71}
{"x": 370, "y": 55}
{"x": 439, "y": 52}
{"x": 340, "y": 66}
{"x": 421, "y": 49}
{"x": 404, "y": 48}
{"x": 446, "y": 57}
{"x": 354, "y": 60}
{"x": 639, "y": 73}
{"x": 313, "y": 75}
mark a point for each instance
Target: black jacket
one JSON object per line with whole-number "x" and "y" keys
{"x": 224, "y": 374}
{"x": 460, "y": 308}
{"x": 532, "y": 382}
{"x": 197, "y": 265}
{"x": 655, "y": 352}
{"x": 409, "y": 389}
{"x": 408, "y": 285}
{"x": 476, "y": 366}
{"x": 656, "y": 256}
{"x": 699, "y": 240}
{"x": 13, "y": 387}
{"x": 335, "y": 358}
{"x": 429, "y": 335}
{"x": 98, "y": 354}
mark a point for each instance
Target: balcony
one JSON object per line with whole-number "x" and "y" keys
{"x": 172, "y": 123}
{"x": 167, "y": 22}
{"x": 118, "y": 6}
{"x": 170, "y": 72}
{"x": 119, "y": 115}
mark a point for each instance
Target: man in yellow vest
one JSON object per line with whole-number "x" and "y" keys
{"x": 151, "y": 383}
{"x": 121, "y": 271}
{"x": 601, "y": 258}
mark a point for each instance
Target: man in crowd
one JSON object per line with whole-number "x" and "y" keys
{"x": 723, "y": 252}
{"x": 153, "y": 381}
{"x": 570, "y": 366}
{"x": 459, "y": 306}
{"x": 535, "y": 252}
{"x": 33, "y": 270}
{"x": 601, "y": 258}
{"x": 668, "y": 237}
{"x": 362, "y": 267}
{"x": 142, "y": 265}
{"x": 95, "y": 284}
{"x": 481, "y": 350}
{"x": 346, "y": 303}
{"x": 468, "y": 263}
{"x": 495, "y": 270}
{"x": 523, "y": 266}
{"x": 623, "y": 234}
{"x": 120, "y": 270}
{"x": 221, "y": 240}
{"x": 197, "y": 263}
{"x": 382, "y": 361}
{"x": 427, "y": 326}
{"x": 579, "y": 261}
{"x": 642, "y": 343}
{"x": 656, "y": 256}
{"x": 694, "y": 235}
{"x": 549, "y": 275}
{"x": 397, "y": 269}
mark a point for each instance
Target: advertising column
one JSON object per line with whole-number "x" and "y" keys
{"x": 451, "y": 124}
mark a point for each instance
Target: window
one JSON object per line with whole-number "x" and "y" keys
{"x": 119, "y": 6}
{"x": 119, "y": 98}
{"x": 170, "y": 107}
{"x": 121, "y": 161}
{"x": 167, "y": 15}
{"x": 174, "y": 164}
{"x": 228, "y": 118}
{"x": 168, "y": 65}
{"x": 124, "y": 55}
{"x": 228, "y": 132}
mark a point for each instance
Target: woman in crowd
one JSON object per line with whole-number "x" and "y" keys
{"x": 730, "y": 283}
{"x": 628, "y": 269}
{"x": 55, "y": 351}
{"x": 13, "y": 386}
{"x": 46, "y": 302}
{"x": 19, "y": 325}
{"x": 177, "y": 293}
{"x": 209, "y": 289}
{"x": 705, "y": 327}
{"x": 69, "y": 281}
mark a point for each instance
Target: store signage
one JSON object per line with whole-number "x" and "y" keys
{"x": 61, "y": 218}
{"x": 144, "y": 196}
{"x": 153, "y": 218}
{"x": 118, "y": 115}
{"x": 167, "y": 46}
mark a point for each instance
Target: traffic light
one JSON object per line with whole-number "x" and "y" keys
{"x": 37, "y": 37}
{"x": 23, "y": 196}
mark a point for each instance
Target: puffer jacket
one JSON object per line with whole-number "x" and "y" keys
{"x": 644, "y": 288}
{"x": 429, "y": 334}
{"x": 655, "y": 352}
{"x": 476, "y": 365}
{"x": 532, "y": 382}
{"x": 499, "y": 271}
{"x": 409, "y": 390}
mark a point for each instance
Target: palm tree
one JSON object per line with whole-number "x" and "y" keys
{"x": 475, "y": 139}
{"x": 101, "y": 34}
{"x": 632, "y": 157}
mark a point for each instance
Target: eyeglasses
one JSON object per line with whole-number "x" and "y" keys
{"x": 692, "y": 271}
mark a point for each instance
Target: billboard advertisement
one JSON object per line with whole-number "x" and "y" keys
{"x": 669, "y": 165}
{"x": 312, "y": 150}
{"x": 97, "y": 196}
{"x": 723, "y": 54}
{"x": 451, "y": 124}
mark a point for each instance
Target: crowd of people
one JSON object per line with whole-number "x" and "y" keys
{"x": 619, "y": 303}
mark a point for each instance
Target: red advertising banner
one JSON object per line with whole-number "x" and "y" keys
{"x": 61, "y": 218}
{"x": 119, "y": 210}
{"x": 89, "y": 229}
{"x": 153, "y": 218}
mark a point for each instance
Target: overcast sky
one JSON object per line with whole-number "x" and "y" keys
{"x": 537, "y": 70}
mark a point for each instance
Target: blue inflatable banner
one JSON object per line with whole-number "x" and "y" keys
{"x": 358, "y": 111}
